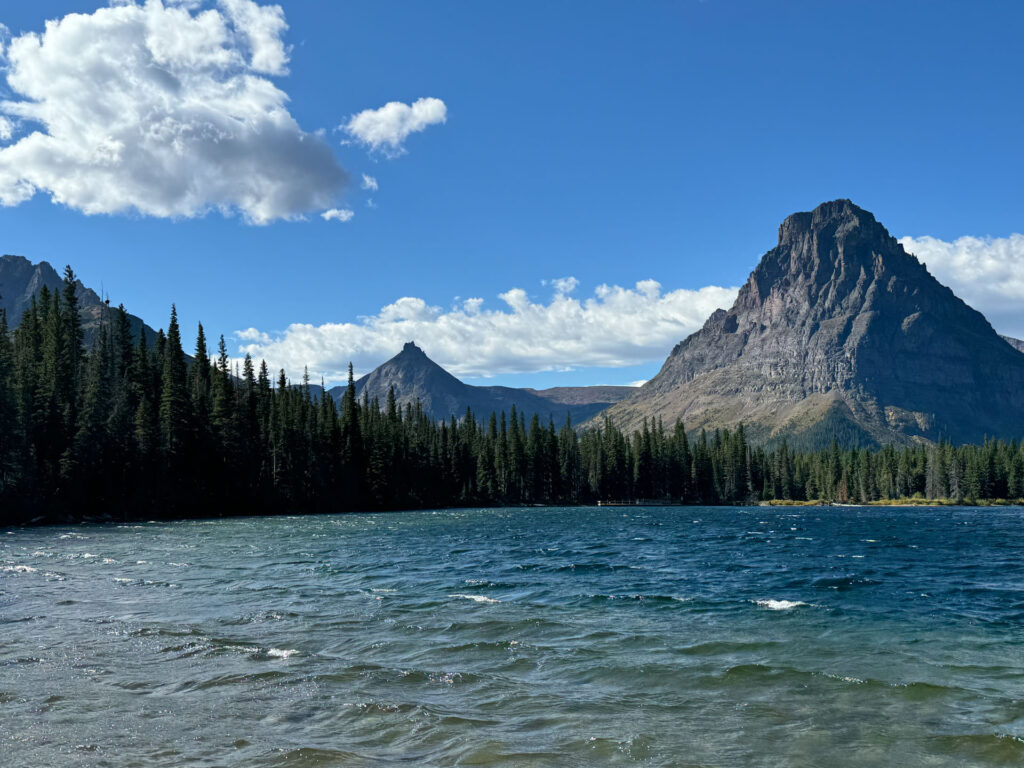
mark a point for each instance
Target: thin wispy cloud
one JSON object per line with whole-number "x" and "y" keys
{"x": 615, "y": 327}
{"x": 164, "y": 109}
{"x": 386, "y": 129}
{"x": 370, "y": 183}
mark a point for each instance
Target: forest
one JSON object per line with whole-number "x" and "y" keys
{"x": 124, "y": 430}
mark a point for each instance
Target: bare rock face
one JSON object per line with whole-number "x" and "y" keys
{"x": 840, "y": 334}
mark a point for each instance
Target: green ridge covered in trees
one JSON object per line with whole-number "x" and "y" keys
{"x": 131, "y": 430}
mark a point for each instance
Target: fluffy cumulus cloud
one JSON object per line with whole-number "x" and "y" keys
{"x": 163, "y": 108}
{"x": 386, "y": 129}
{"x": 613, "y": 328}
{"x": 338, "y": 214}
{"x": 986, "y": 272}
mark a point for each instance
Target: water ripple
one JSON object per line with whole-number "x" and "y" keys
{"x": 520, "y": 637}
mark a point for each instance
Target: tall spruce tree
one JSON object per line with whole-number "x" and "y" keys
{"x": 10, "y": 423}
{"x": 174, "y": 402}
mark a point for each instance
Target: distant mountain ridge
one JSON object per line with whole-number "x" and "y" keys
{"x": 21, "y": 281}
{"x": 840, "y": 334}
{"x": 417, "y": 378}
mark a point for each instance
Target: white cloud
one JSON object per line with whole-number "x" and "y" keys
{"x": 637, "y": 383}
{"x": 338, "y": 214}
{"x": 615, "y": 327}
{"x": 261, "y": 26}
{"x": 370, "y": 183}
{"x": 162, "y": 109}
{"x": 986, "y": 272}
{"x": 385, "y": 129}
{"x": 6, "y": 128}
{"x": 564, "y": 285}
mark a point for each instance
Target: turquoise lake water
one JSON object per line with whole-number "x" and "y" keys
{"x": 519, "y": 637}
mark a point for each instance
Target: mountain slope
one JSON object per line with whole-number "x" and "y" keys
{"x": 415, "y": 377}
{"x": 1017, "y": 344}
{"x": 839, "y": 333}
{"x": 21, "y": 281}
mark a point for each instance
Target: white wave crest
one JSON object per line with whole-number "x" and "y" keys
{"x": 477, "y": 598}
{"x": 279, "y": 653}
{"x": 780, "y": 605}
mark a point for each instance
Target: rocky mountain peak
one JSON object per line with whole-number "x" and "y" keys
{"x": 827, "y": 253}
{"x": 839, "y": 325}
{"x": 415, "y": 378}
{"x": 21, "y": 281}
{"x": 834, "y": 217}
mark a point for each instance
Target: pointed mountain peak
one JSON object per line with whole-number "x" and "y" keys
{"x": 829, "y": 246}
{"x": 834, "y": 219}
{"x": 411, "y": 361}
{"x": 412, "y": 358}
{"x": 415, "y": 378}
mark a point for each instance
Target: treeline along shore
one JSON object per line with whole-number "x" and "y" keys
{"x": 125, "y": 430}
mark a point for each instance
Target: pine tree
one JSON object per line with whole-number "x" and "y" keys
{"x": 146, "y": 417}
{"x": 352, "y": 456}
{"x": 10, "y": 423}
{"x": 174, "y": 402}
{"x": 200, "y": 384}
{"x": 89, "y": 459}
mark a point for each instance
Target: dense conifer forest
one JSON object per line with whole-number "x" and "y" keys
{"x": 126, "y": 430}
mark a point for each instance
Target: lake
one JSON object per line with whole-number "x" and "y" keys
{"x": 676, "y": 636}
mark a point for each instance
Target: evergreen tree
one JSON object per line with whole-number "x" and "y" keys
{"x": 174, "y": 402}
{"x": 352, "y": 455}
{"x": 10, "y": 422}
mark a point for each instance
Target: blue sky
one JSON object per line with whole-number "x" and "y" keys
{"x": 611, "y": 142}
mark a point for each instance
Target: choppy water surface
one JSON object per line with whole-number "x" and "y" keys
{"x": 540, "y": 637}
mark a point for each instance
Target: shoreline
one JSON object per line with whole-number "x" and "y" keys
{"x": 895, "y": 503}
{"x": 42, "y": 522}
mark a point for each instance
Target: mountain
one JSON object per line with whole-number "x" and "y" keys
{"x": 415, "y": 377}
{"x": 1017, "y": 344}
{"x": 599, "y": 394}
{"x": 21, "y": 281}
{"x": 840, "y": 334}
